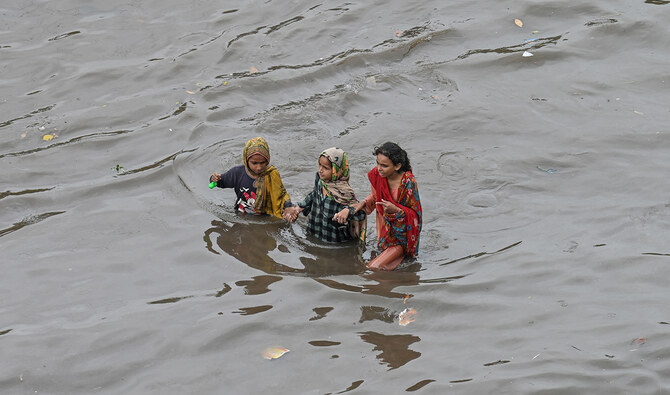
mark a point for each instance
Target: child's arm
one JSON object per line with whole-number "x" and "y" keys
{"x": 367, "y": 204}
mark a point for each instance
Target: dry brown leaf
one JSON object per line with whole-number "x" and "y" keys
{"x": 518, "y": 22}
{"x": 253, "y": 70}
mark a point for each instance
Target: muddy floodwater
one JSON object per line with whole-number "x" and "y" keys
{"x": 538, "y": 132}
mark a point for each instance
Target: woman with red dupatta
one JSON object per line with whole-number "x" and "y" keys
{"x": 395, "y": 197}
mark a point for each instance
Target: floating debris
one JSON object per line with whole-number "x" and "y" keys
{"x": 518, "y": 22}
{"x": 399, "y": 33}
{"x": 190, "y": 92}
{"x": 526, "y": 54}
{"x": 550, "y": 171}
{"x": 49, "y": 137}
{"x": 274, "y": 352}
{"x": 498, "y": 362}
{"x": 407, "y": 316}
{"x": 253, "y": 70}
{"x": 407, "y": 296}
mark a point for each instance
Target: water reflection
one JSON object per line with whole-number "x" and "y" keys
{"x": 249, "y": 243}
{"x": 383, "y": 283}
{"x": 272, "y": 247}
{"x": 258, "y": 285}
{"x": 394, "y": 349}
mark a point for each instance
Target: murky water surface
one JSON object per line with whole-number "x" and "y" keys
{"x": 544, "y": 257}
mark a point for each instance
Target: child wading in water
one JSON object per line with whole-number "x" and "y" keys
{"x": 396, "y": 198}
{"x": 258, "y": 186}
{"x": 328, "y": 206}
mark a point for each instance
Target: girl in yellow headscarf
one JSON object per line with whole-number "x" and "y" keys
{"x": 258, "y": 186}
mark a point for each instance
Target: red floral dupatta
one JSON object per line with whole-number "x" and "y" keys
{"x": 402, "y": 228}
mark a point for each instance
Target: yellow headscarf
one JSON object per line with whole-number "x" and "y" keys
{"x": 270, "y": 192}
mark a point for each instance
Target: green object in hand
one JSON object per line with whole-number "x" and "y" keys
{"x": 212, "y": 184}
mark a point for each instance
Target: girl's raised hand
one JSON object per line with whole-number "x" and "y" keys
{"x": 216, "y": 177}
{"x": 389, "y": 208}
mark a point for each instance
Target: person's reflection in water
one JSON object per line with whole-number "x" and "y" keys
{"x": 394, "y": 349}
{"x": 250, "y": 243}
{"x": 386, "y": 282}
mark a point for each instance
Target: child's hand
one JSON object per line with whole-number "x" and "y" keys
{"x": 389, "y": 208}
{"x": 358, "y": 206}
{"x": 342, "y": 216}
{"x": 291, "y": 213}
{"x": 216, "y": 177}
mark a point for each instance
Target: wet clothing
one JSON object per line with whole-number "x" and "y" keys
{"x": 245, "y": 190}
{"x": 402, "y": 228}
{"x": 321, "y": 208}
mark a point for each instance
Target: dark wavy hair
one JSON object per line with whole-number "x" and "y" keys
{"x": 396, "y": 154}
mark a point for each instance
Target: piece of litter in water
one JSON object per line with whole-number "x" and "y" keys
{"x": 404, "y": 300}
{"x": 399, "y": 33}
{"x": 530, "y": 40}
{"x": 407, "y": 316}
{"x": 518, "y": 22}
{"x": 638, "y": 112}
{"x": 550, "y": 171}
{"x": 274, "y": 352}
{"x": 48, "y": 137}
{"x": 253, "y": 70}
{"x": 190, "y": 92}
{"x": 526, "y": 54}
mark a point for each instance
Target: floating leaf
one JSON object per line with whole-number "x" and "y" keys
{"x": 190, "y": 93}
{"x": 399, "y": 33}
{"x": 407, "y": 316}
{"x": 527, "y": 54}
{"x": 639, "y": 341}
{"x": 518, "y": 22}
{"x": 638, "y": 112}
{"x": 274, "y": 352}
{"x": 253, "y": 70}
{"x": 48, "y": 137}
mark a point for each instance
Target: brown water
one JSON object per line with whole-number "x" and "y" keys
{"x": 544, "y": 256}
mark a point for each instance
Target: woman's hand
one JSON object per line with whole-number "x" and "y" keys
{"x": 389, "y": 208}
{"x": 342, "y": 216}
